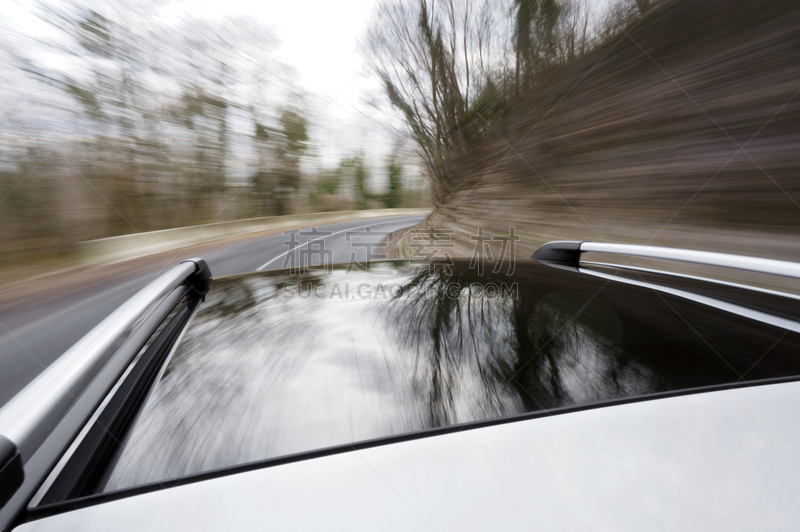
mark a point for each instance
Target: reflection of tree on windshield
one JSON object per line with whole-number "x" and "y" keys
{"x": 237, "y": 300}
{"x": 477, "y": 356}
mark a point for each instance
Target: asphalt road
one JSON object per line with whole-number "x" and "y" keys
{"x": 30, "y": 341}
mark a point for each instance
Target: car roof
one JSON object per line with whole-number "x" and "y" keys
{"x": 717, "y": 460}
{"x": 400, "y": 352}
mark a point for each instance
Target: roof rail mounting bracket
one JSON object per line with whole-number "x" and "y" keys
{"x": 560, "y": 253}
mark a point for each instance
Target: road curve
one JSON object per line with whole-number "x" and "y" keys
{"x": 31, "y": 343}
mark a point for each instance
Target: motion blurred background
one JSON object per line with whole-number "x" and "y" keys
{"x": 671, "y": 122}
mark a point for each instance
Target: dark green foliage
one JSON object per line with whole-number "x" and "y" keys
{"x": 394, "y": 196}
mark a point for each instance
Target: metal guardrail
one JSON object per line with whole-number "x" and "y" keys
{"x": 126, "y": 247}
{"x": 73, "y": 385}
{"x": 568, "y": 253}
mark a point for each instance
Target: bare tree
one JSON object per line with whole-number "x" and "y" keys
{"x": 440, "y": 62}
{"x": 535, "y": 24}
{"x": 622, "y": 12}
{"x": 576, "y": 31}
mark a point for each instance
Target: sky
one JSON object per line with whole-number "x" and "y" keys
{"x": 317, "y": 39}
{"x": 301, "y": 28}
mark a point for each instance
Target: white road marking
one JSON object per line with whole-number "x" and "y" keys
{"x": 320, "y": 238}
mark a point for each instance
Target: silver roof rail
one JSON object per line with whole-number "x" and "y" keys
{"x": 568, "y": 253}
{"x": 71, "y": 387}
